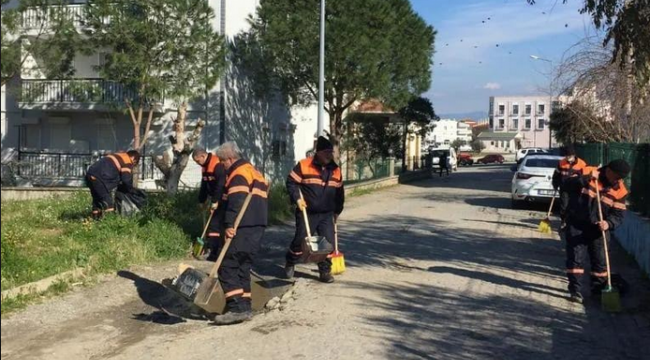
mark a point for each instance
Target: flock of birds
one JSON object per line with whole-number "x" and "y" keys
{"x": 496, "y": 45}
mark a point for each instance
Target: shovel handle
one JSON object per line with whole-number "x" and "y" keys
{"x": 226, "y": 245}
{"x": 304, "y": 215}
{"x": 600, "y": 216}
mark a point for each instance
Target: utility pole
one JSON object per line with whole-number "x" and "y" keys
{"x": 550, "y": 98}
{"x": 321, "y": 75}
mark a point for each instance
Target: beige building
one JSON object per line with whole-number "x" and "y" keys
{"x": 526, "y": 116}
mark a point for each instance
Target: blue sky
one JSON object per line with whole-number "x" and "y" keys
{"x": 469, "y": 67}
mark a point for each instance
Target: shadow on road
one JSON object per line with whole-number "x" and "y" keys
{"x": 171, "y": 307}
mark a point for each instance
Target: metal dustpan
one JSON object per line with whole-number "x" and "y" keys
{"x": 316, "y": 249}
{"x": 205, "y": 289}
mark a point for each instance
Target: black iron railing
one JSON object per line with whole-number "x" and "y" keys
{"x": 37, "y": 165}
{"x": 84, "y": 91}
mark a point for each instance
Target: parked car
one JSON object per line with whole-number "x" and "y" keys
{"x": 521, "y": 153}
{"x": 491, "y": 159}
{"x": 452, "y": 161}
{"x": 532, "y": 181}
{"x": 465, "y": 159}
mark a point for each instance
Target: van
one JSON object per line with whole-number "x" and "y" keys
{"x": 452, "y": 159}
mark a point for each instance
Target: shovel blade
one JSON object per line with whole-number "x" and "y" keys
{"x": 210, "y": 296}
{"x": 611, "y": 300}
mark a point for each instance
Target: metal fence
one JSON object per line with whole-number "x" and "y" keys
{"x": 76, "y": 91}
{"x": 367, "y": 170}
{"x": 64, "y": 166}
{"x": 637, "y": 155}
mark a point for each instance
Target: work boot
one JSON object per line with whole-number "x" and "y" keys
{"x": 326, "y": 277}
{"x": 289, "y": 271}
{"x": 231, "y": 318}
{"x": 576, "y": 297}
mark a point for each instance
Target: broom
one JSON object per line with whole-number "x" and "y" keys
{"x": 338, "y": 260}
{"x": 199, "y": 243}
{"x": 610, "y": 298}
{"x": 545, "y": 225}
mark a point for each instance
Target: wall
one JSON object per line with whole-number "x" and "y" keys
{"x": 634, "y": 236}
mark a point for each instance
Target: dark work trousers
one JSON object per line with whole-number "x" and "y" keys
{"x": 213, "y": 236}
{"x": 444, "y": 167}
{"x": 319, "y": 223}
{"x": 564, "y": 203}
{"x": 102, "y": 197}
{"x": 578, "y": 245}
{"x": 235, "y": 271}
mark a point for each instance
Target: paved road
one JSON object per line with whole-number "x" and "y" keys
{"x": 440, "y": 269}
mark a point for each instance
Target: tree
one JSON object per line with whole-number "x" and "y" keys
{"x": 417, "y": 116}
{"x": 46, "y": 33}
{"x": 456, "y": 144}
{"x": 159, "y": 48}
{"x": 477, "y": 145}
{"x": 371, "y": 139}
{"x": 627, "y": 25}
{"x": 374, "y": 49}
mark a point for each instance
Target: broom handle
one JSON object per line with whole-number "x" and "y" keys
{"x": 550, "y": 208}
{"x": 304, "y": 214}
{"x": 207, "y": 224}
{"x": 226, "y": 245}
{"x": 336, "y": 237}
{"x": 600, "y": 216}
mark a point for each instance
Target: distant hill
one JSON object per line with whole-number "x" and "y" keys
{"x": 474, "y": 115}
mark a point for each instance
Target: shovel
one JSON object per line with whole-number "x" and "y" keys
{"x": 610, "y": 298}
{"x": 315, "y": 249}
{"x": 205, "y": 291}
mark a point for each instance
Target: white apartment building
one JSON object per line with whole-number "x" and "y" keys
{"x": 447, "y": 131}
{"x": 57, "y": 133}
{"x": 525, "y": 117}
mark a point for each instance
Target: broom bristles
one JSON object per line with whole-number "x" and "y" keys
{"x": 338, "y": 263}
{"x": 544, "y": 227}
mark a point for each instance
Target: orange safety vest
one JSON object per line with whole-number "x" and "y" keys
{"x": 122, "y": 162}
{"x": 256, "y": 181}
{"x": 311, "y": 175}
{"x": 613, "y": 197}
{"x": 567, "y": 169}
{"x": 207, "y": 170}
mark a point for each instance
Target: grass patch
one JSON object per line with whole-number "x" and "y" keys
{"x": 45, "y": 237}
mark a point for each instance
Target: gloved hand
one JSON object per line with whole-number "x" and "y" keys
{"x": 302, "y": 205}
{"x": 214, "y": 206}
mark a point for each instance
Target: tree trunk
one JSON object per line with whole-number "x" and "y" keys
{"x": 404, "y": 137}
{"x": 176, "y": 171}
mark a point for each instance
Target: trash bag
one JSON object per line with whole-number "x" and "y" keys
{"x": 129, "y": 202}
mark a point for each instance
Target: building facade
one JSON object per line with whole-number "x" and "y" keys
{"x": 447, "y": 131}
{"x": 526, "y": 116}
{"x": 59, "y": 131}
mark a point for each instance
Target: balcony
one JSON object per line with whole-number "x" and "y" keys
{"x": 74, "y": 93}
{"x": 41, "y": 18}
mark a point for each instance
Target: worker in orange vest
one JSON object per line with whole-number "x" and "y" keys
{"x": 320, "y": 180}
{"x": 583, "y": 226}
{"x": 106, "y": 175}
{"x": 570, "y": 166}
{"x": 234, "y": 274}
{"x": 213, "y": 180}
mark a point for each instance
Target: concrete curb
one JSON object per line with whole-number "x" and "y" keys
{"x": 42, "y": 285}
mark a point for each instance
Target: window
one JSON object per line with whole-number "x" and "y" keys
{"x": 541, "y": 123}
{"x": 279, "y": 148}
{"x": 502, "y": 123}
{"x": 529, "y": 109}
{"x": 491, "y": 123}
{"x": 31, "y": 137}
{"x": 492, "y": 143}
{"x": 502, "y": 109}
{"x": 528, "y": 124}
{"x": 515, "y": 109}
{"x": 515, "y": 124}
{"x": 541, "y": 108}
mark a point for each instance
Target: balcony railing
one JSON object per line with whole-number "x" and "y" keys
{"x": 83, "y": 91}
{"x": 37, "y": 18}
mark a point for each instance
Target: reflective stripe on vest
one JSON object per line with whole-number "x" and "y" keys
{"x": 122, "y": 162}
{"x": 209, "y": 167}
{"x": 311, "y": 175}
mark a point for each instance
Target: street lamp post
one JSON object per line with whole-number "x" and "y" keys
{"x": 321, "y": 74}
{"x": 550, "y": 98}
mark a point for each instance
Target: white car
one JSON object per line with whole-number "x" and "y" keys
{"x": 452, "y": 160}
{"x": 533, "y": 178}
{"x": 521, "y": 153}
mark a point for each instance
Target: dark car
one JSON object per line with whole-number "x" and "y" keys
{"x": 491, "y": 159}
{"x": 465, "y": 160}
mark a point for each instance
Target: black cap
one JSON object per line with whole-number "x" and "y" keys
{"x": 620, "y": 167}
{"x": 323, "y": 144}
{"x": 569, "y": 150}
